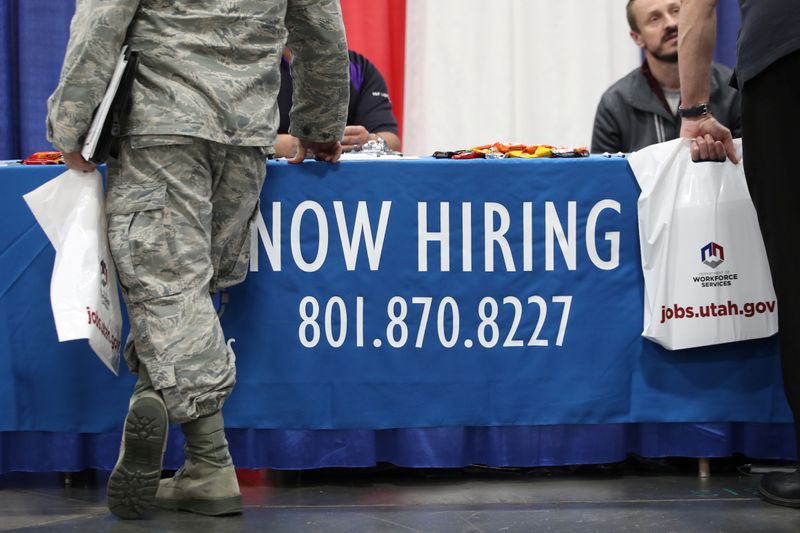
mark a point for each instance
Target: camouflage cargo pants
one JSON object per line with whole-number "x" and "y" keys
{"x": 179, "y": 213}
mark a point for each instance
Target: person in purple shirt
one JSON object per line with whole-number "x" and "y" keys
{"x": 369, "y": 113}
{"x": 768, "y": 75}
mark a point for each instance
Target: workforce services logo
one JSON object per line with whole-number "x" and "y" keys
{"x": 712, "y": 255}
{"x": 105, "y": 288}
{"x": 103, "y": 272}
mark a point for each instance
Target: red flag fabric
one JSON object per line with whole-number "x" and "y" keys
{"x": 377, "y": 30}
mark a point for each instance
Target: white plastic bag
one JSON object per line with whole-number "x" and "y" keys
{"x": 83, "y": 289}
{"x": 706, "y": 275}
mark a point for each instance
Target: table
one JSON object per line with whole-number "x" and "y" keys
{"x": 543, "y": 365}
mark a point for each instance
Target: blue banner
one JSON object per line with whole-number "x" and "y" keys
{"x": 432, "y": 293}
{"x": 402, "y": 294}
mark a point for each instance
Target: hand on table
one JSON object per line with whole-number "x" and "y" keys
{"x": 322, "y": 151}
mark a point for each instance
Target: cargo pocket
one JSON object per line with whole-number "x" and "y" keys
{"x": 162, "y": 376}
{"x": 142, "y": 241}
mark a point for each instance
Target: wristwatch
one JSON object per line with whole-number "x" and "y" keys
{"x": 695, "y": 111}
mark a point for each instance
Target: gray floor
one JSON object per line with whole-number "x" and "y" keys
{"x": 616, "y": 498}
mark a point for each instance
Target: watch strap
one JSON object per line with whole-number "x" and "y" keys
{"x": 695, "y": 111}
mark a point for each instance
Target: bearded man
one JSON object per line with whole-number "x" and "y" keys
{"x": 642, "y": 108}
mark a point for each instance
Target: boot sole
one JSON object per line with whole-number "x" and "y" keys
{"x": 220, "y": 507}
{"x": 777, "y": 500}
{"x": 134, "y": 481}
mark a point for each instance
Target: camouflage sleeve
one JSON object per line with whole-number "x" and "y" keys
{"x": 97, "y": 33}
{"x": 320, "y": 69}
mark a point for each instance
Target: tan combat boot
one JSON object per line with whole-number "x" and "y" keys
{"x": 134, "y": 481}
{"x": 206, "y": 483}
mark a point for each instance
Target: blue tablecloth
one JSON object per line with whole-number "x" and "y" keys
{"x": 544, "y": 364}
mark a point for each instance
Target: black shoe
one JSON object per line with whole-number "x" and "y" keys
{"x": 134, "y": 481}
{"x": 781, "y": 488}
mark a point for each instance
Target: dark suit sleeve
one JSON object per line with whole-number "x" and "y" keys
{"x": 606, "y": 132}
{"x": 370, "y": 105}
{"x": 725, "y": 99}
{"x": 736, "y": 116}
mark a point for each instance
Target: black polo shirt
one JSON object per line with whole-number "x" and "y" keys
{"x": 369, "y": 98}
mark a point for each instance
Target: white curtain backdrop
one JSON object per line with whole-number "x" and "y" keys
{"x": 529, "y": 71}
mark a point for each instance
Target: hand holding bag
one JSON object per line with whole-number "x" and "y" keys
{"x": 83, "y": 288}
{"x": 707, "y": 280}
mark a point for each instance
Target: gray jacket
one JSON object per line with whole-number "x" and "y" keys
{"x": 631, "y": 115}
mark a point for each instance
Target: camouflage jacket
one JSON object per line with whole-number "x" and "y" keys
{"x": 207, "y": 68}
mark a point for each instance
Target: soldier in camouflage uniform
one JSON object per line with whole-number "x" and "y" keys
{"x": 182, "y": 195}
